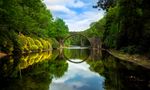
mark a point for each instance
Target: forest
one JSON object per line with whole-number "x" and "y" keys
{"x": 125, "y": 26}
{"x": 30, "y": 26}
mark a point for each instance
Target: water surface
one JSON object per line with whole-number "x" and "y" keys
{"x": 71, "y": 69}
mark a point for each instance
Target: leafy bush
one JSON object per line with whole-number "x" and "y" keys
{"x": 39, "y": 44}
{"x": 27, "y": 44}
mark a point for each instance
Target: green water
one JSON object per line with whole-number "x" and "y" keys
{"x": 71, "y": 69}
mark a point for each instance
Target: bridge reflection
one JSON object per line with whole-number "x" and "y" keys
{"x": 79, "y": 55}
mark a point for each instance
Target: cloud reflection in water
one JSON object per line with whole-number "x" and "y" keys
{"x": 78, "y": 77}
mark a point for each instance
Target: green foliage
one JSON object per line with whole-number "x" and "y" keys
{"x": 55, "y": 43}
{"x": 126, "y": 25}
{"x": 77, "y": 39}
{"x": 130, "y": 49}
{"x": 31, "y": 18}
{"x": 26, "y": 17}
{"x": 96, "y": 29}
{"x": 39, "y": 44}
{"x": 7, "y": 42}
{"x": 59, "y": 29}
{"x": 46, "y": 44}
{"x": 130, "y": 24}
{"x": 105, "y": 4}
{"x": 35, "y": 67}
{"x": 28, "y": 44}
{"x": 111, "y": 28}
{"x": 81, "y": 54}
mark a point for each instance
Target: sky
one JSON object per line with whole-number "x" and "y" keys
{"x": 77, "y": 14}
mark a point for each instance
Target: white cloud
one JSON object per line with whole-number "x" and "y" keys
{"x": 78, "y": 14}
{"x": 56, "y": 1}
{"x": 60, "y": 8}
{"x": 77, "y": 4}
{"x": 69, "y": 3}
{"x": 83, "y": 20}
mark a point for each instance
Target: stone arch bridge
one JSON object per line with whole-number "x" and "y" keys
{"x": 95, "y": 42}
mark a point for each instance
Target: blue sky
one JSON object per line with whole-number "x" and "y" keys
{"x": 78, "y": 14}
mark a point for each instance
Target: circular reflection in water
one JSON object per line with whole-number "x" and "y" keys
{"x": 76, "y": 55}
{"x": 76, "y": 60}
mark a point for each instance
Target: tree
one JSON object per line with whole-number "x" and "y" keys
{"x": 59, "y": 31}
{"x": 30, "y": 18}
{"x": 104, "y": 4}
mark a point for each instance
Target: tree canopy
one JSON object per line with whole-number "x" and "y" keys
{"x": 126, "y": 25}
{"x": 30, "y": 18}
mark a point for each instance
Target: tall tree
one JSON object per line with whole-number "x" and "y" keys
{"x": 60, "y": 29}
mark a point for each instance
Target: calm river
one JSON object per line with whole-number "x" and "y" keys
{"x": 71, "y": 69}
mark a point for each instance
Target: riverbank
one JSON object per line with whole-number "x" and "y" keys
{"x": 138, "y": 59}
{"x": 2, "y": 54}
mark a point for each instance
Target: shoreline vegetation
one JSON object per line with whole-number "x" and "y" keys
{"x": 28, "y": 44}
{"x": 28, "y": 26}
{"x": 141, "y": 60}
{"x": 25, "y": 44}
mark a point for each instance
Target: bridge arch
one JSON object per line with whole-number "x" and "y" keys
{"x": 77, "y": 35}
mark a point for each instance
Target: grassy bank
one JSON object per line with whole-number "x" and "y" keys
{"x": 138, "y": 59}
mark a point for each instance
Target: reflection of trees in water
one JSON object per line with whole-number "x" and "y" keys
{"x": 82, "y": 54}
{"x": 27, "y": 60}
{"x": 58, "y": 67}
{"x": 95, "y": 54}
{"x": 10, "y": 65}
{"x": 121, "y": 75}
{"x": 37, "y": 76}
{"x": 76, "y": 53}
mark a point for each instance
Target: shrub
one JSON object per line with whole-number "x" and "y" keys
{"x": 27, "y": 44}
{"x": 39, "y": 44}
